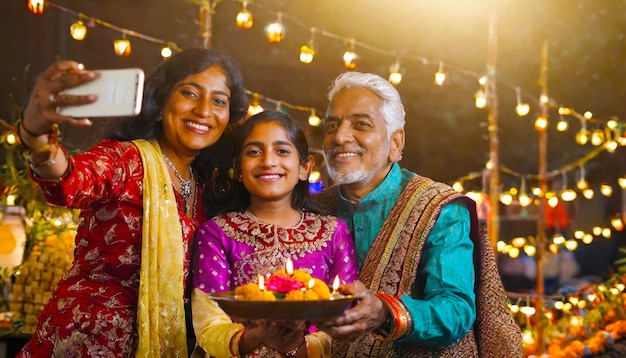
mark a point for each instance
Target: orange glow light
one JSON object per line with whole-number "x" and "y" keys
{"x": 35, "y": 6}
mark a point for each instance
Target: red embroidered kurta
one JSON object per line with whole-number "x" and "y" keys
{"x": 93, "y": 310}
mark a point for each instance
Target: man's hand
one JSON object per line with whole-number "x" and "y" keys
{"x": 366, "y": 315}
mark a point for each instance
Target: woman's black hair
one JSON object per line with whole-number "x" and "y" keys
{"x": 301, "y": 199}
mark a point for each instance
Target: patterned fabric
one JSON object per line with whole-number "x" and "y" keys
{"x": 232, "y": 249}
{"x": 160, "y": 310}
{"x": 391, "y": 268}
{"x": 93, "y": 311}
{"x": 446, "y": 309}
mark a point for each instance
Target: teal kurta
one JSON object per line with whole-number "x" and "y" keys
{"x": 447, "y": 309}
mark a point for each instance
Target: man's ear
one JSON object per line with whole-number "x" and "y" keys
{"x": 305, "y": 169}
{"x": 396, "y": 145}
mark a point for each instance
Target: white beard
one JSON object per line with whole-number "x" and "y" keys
{"x": 361, "y": 174}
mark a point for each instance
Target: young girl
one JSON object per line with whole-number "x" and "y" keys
{"x": 270, "y": 218}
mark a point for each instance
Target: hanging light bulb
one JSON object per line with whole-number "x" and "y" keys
{"x": 458, "y": 186}
{"x": 554, "y": 249}
{"x": 78, "y": 30}
{"x": 587, "y": 239}
{"x": 568, "y": 195}
{"x": 606, "y": 189}
{"x": 571, "y": 245}
{"x": 275, "y": 31}
{"x": 553, "y": 201}
{"x": 558, "y": 238}
{"x": 582, "y": 137}
{"x": 480, "y": 99}
{"x": 622, "y": 182}
{"x": 611, "y": 146}
{"x": 521, "y": 108}
{"x": 597, "y": 137}
{"x": 254, "y": 107}
{"x": 166, "y": 52}
{"x": 596, "y": 230}
{"x": 307, "y": 52}
{"x": 244, "y": 17}
{"x": 395, "y": 73}
{"x": 582, "y": 184}
{"x": 518, "y": 241}
{"x": 36, "y": 6}
{"x": 440, "y": 76}
{"x": 122, "y": 46}
{"x": 523, "y": 198}
{"x": 506, "y": 198}
{"x": 530, "y": 250}
{"x": 314, "y": 120}
{"x": 617, "y": 222}
{"x": 588, "y": 193}
{"x": 562, "y": 125}
{"x": 541, "y": 123}
{"x": 349, "y": 57}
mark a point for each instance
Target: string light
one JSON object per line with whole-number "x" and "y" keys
{"x": 541, "y": 123}
{"x": 582, "y": 184}
{"x": 36, "y": 6}
{"x": 122, "y": 46}
{"x": 275, "y": 31}
{"x": 440, "y": 76}
{"x": 314, "y": 120}
{"x": 244, "y": 17}
{"x": 254, "y": 107}
{"x": 166, "y": 52}
{"x": 571, "y": 245}
{"x": 562, "y": 125}
{"x": 395, "y": 73}
{"x": 617, "y": 223}
{"x": 78, "y": 30}
{"x": 307, "y": 52}
{"x": 349, "y": 57}
{"x": 622, "y": 182}
{"x": 480, "y": 100}
{"x": 588, "y": 193}
{"x": 606, "y": 189}
{"x": 523, "y": 198}
{"x": 597, "y": 137}
{"x": 582, "y": 137}
{"x": 521, "y": 108}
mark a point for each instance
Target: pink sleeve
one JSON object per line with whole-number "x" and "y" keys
{"x": 345, "y": 263}
{"x": 212, "y": 272}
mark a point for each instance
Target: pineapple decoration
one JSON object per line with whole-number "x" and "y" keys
{"x": 49, "y": 258}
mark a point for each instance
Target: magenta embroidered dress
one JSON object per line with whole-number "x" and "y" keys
{"x": 232, "y": 249}
{"x": 93, "y": 310}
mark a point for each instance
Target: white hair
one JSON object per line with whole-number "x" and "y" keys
{"x": 391, "y": 106}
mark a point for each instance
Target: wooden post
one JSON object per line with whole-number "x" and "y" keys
{"x": 541, "y": 233}
{"x": 205, "y": 19}
{"x": 492, "y": 120}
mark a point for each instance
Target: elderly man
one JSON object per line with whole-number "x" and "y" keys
{"x": 415, "y": 240}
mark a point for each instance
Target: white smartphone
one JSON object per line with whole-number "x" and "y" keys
{"x": 119, "y": 91}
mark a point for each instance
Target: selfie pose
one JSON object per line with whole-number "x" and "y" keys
{"x": 140, "y": 201}
{"x": 271, "y": 218}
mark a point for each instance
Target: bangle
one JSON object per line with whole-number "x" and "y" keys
{"x": 49, "y": 151}
{"x": 30, "y": 133}
{"x": 400, "y": 322}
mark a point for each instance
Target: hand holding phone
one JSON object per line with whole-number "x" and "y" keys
{"x": 119, "y": 91}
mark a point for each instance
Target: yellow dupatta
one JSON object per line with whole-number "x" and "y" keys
{"x": 160, "y": 310}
